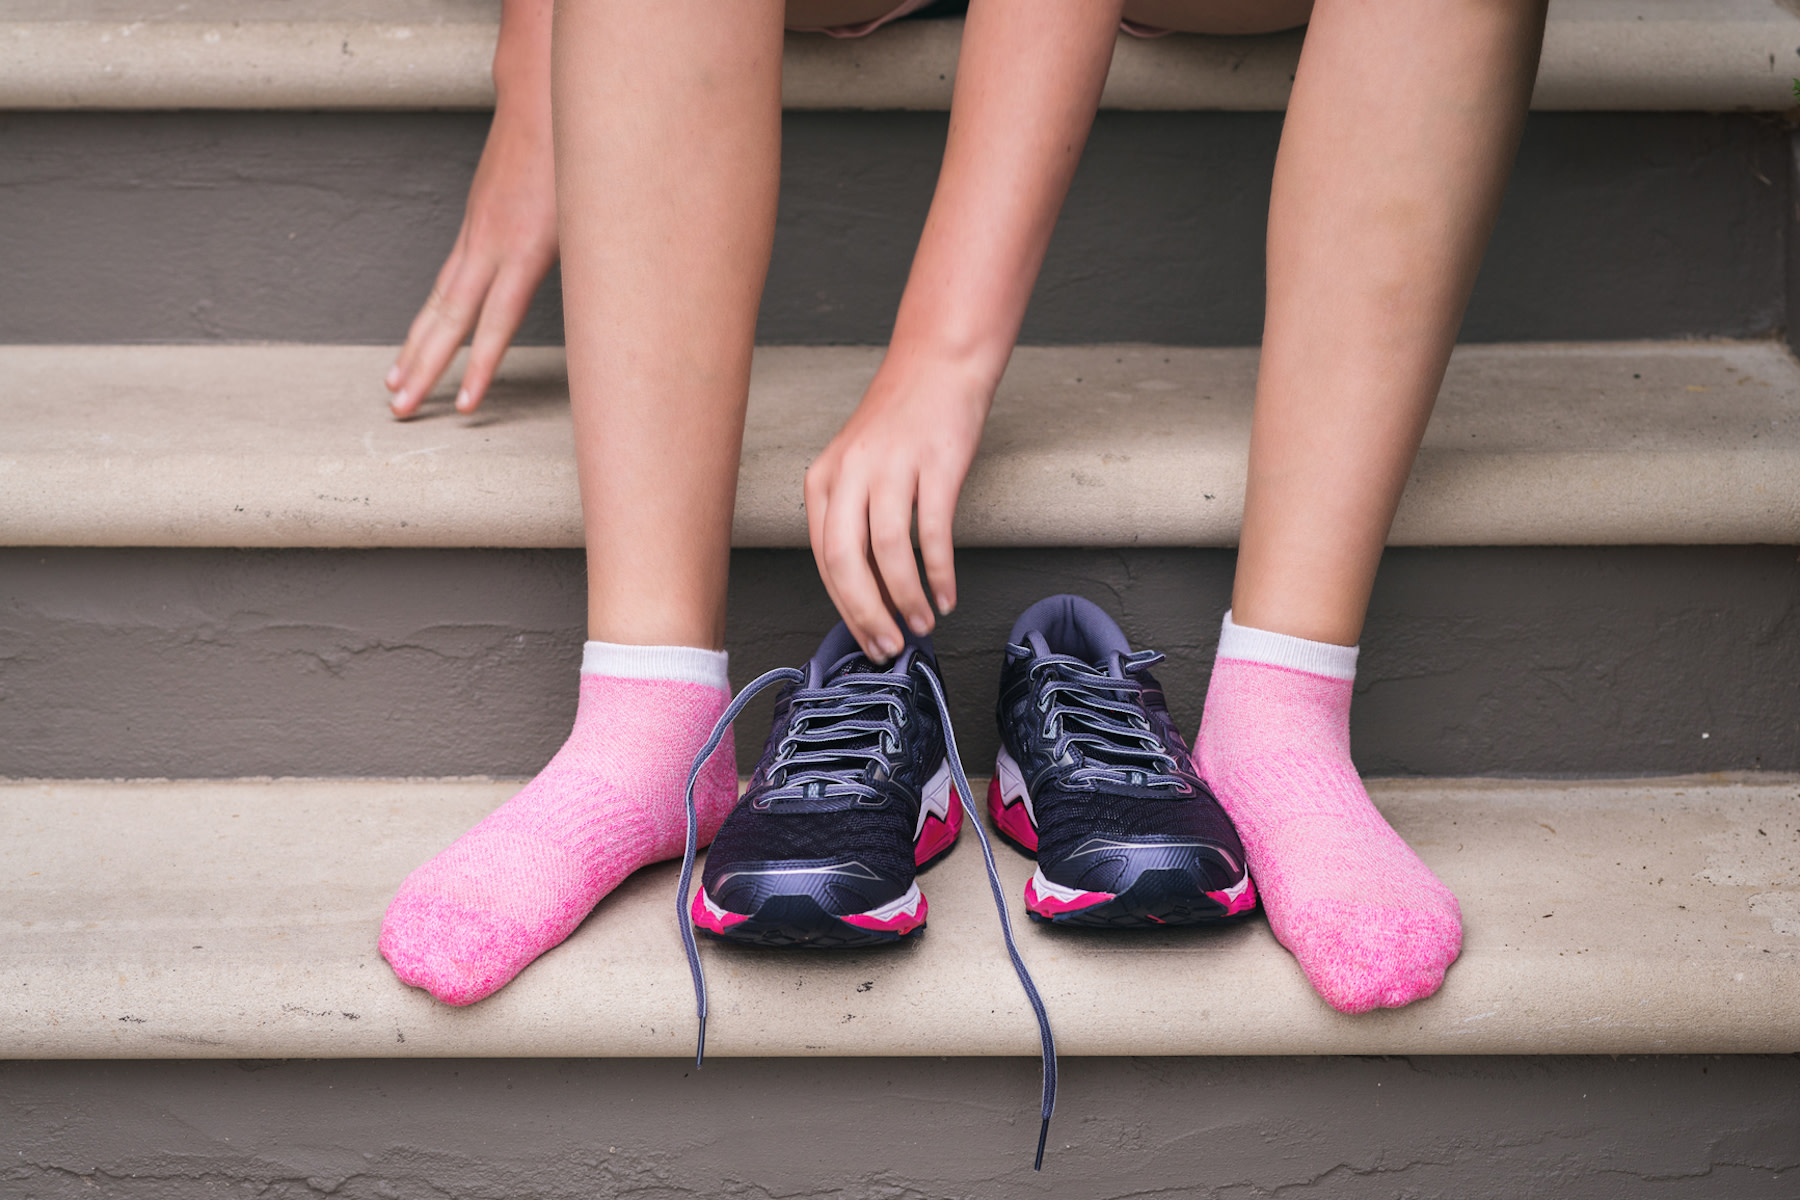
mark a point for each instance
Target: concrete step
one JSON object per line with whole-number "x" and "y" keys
{"x": 113, "y": 54}
{"x": 290, "y": 446}
{"x": 238, "y": 920}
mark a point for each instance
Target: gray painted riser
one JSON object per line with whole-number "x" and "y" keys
{"x": 1523, "y": 1129}
{"x": 329, "y": 227}
{"x": 218, "y": 663}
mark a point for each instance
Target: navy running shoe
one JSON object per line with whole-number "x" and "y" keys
{"x": 852, "y": 796}
{"x": 1095, "y": 780}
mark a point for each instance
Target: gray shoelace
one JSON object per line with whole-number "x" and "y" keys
{"x": 1098, "y": 722}
{"x": 688, "y": 942}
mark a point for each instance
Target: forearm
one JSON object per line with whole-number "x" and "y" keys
{"x": 1027, "y": 85}
{"x": 522, "y": 54}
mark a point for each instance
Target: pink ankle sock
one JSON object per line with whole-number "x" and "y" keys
{"x": 1370, "y": 924}
{"x": 610, "y": 802}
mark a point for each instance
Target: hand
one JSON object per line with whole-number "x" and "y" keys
{"x": 508, "y": 237}
{"x": 908, "y": 446}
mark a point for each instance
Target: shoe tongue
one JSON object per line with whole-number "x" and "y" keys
{"x": 857, "y": 663}
{"x": 1113, "y": 664}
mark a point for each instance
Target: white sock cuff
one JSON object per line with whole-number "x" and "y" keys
{"x": 1282, "y": 650}
{"x": 678, "y": 664}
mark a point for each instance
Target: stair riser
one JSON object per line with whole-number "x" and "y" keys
{"x": 201, "y": 226}
{"x": 1351, "y": 1128}
{"x": 216, "y": 663}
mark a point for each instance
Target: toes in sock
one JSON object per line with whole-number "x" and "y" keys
{"x": 610, "y": 802}
{"x": 1370, "y": 924}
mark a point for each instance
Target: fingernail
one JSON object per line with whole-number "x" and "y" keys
{"x": 886, "y": 647}
{"x": 464, "y": 401}
{"x": 398, "y": 403}
{"x": 944, "y": 605}
{"x": 392, "y": 378}
{"x": 919, "y": 625}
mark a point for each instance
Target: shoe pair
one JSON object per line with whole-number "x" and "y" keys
{"x": 860, "y": 787}
{"x": 853, "y": 795}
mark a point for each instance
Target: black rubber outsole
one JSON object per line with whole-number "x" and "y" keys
{"x": 1156, "y": 899}
{"x": 806, "y": 926}
{"x": 798, "y": 923}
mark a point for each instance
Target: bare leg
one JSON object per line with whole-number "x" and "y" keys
{"x": 1400, "y": 134}
{"x": 668, "y": 140}
{"x": 1402, "y": 127}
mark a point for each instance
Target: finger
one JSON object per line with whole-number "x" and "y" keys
{"x": 890, "y": 540}
{"x": 817, "y": 492}
{"x": 439, "y": 329}
{"x": 501, "y": 315}
{"x": 406, "y": 362}
{"x": 851, "y": 578}
{"x": 937, "y": 514}
{"x": 819, "y": 479}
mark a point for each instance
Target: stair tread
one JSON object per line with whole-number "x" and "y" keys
{"x": 1599, "y": 54}
{"x": 237, "y": 919}
{"x": 291, "y": 446}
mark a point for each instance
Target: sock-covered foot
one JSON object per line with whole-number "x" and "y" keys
{"x": 610, "y": 802}
{"x": 1370, "y": 924}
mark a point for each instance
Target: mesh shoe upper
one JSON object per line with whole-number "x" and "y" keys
{"x": 1089, "y": 728}
{"x": 838, "y": 786}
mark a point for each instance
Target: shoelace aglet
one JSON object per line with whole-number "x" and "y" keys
{"x": 688, "y": 944}
{"x": 1047, "y": 1041}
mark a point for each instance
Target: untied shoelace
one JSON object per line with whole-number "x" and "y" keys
{"x": 795, "y": 675}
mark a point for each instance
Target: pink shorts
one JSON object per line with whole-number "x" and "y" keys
{"x": 867, "y": 27}
{"x": 912, "y": 6}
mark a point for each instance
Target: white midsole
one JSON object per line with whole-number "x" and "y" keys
{"x": 1055, "y": 891}
{"x": 905, "y": 906}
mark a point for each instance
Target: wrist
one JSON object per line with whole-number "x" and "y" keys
{"x": 936, "y": 385}
{"x": 977, "y": 357}
{"x": 521, "y": 65}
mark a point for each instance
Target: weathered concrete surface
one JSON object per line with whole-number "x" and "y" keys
{"x": 1598, "y": 54}
{"x": 238, "y": 920}
{"x": 1644, "y": 443}
{"x": 329, "y": 228}
{"x": 905, "y": 1129}
{"x": 1478, "y": 661}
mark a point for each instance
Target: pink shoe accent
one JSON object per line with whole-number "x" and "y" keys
{"x": 939, "y": 835}
{"x": 708, "y": 915}
{"x": 610, "y": 802}
{"x": 903, "y": 916}
{"x": 1011, "y": 819}
{"x": 1243, "y": 901}
{"x": 1048, "y": 904}
{"x": 1371, "y": 926}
